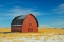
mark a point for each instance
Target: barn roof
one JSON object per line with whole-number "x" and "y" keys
{"x": 17, "y": 21}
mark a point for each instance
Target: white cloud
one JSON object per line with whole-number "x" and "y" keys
{"x": 19, "y": 11}
{"x": 9, "y": 3}
{"x": 58, "y": 23}
{"x": 61, "y": 16}
{"x": 17, "y": 6}
{"x": 5, "y": 18}
{"x": 44, "y": 26}
{"x": 59, "y": 19}
{"x": 59, "y": 9}
{"x": 1, "y": 5}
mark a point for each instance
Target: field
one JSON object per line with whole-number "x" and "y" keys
{"x": 43, "y": 35}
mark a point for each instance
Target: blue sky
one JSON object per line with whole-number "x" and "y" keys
{"x": 49, "y": 13}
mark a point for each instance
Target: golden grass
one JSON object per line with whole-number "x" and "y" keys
{"x": 43, "y": 34}
{"x": 5, "y": 30}
{"x": 40, "y": 30}
{"x": 46, "y": 30}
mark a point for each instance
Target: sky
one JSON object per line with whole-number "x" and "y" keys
{"x": 49, "y": 13}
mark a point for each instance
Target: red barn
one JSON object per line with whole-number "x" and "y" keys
{"x": 24, "y": 23}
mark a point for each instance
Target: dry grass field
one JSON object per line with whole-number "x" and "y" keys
{"x": 43, "y": 35}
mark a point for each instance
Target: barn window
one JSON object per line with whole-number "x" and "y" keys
{"x": 30, "y": 24}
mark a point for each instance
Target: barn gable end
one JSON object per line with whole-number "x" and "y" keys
{"x": 35, "y": 19}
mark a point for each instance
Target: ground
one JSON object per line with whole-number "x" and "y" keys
{"x": 43, "y": 35}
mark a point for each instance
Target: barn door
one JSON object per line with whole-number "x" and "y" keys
{"x": 30, "y": 29}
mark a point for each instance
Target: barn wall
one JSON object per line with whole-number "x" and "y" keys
{"x": 16, "y": 29}
{"x": 26, "y": 27}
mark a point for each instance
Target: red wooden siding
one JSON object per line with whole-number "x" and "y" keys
{"x": 16, "y": 28}
{"x": 29, "y": 24}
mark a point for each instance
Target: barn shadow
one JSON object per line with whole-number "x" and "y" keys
{"x": 9, "y": 32}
